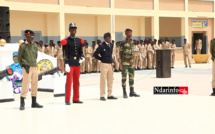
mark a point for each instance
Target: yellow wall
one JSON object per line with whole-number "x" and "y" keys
{"x": 148, "y": 27}
{"x": 123, "y": 22}
{"x": 88, "y": 3}
{"x": 88, "y": 25}
{"x": 37, "y": 1}
{"x": 170, "y": 27}
{"x": 137, "y": 4}
{"x": 174, "y": 5}
{"x": 20, "y": 21}
{"x": 200, "y": 6}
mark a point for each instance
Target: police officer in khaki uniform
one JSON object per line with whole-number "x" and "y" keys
{"x": 82, "y": 66}
{"x": 88, "y": 58}
{"x": 173, "y": 47}
{"x": 60, "y": 61}
{"x": 186, "y": 52}
{"x": 93, "y": 58}
{"x": 166, "y": 44}
{"x": 135, "y": 54}
{"x": 27, "y": 57}
{"x": 41, "y": 47}
{"x": 47, "y": 49}
{"x": 155, "y": 47}
{"x": 141, "y": 53}
{"x": 118, "y": 57}
{"x": 116, "y": 65}
{"x": 198, "y": 46}
{"x": 149, "y": 54}
{"x": 146, "y": 54}
{"x": 98, "y": 61}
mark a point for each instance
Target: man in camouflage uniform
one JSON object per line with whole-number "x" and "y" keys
{"x": 126, "y": 48}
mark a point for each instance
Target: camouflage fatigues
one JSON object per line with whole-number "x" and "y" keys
{"x": 126, "y": 47}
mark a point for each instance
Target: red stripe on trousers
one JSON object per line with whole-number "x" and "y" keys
{"x": 73, "y": 77}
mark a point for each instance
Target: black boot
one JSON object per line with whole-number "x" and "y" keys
{"x": 124, "y": 93}
{"x": 213, "y": 94}
{"x": 35, "y": 104}
{"x": 132, "y": 93}
{"x": 22, "y": 103}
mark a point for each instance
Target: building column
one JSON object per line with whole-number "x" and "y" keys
{"x": 62, "y": 20}
{"x": 155, "y": 27}
{"x": 156, "y": 5}
{"x": 186, "y": 26}
{"x": 186, "y": 5}
{"x": 112, "y": 21}
{"x": 142, "y": 28}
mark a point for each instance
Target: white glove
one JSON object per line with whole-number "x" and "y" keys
{"x": 153, "y": 51}
{"x": 67, "y": 68}
{"x": 61, "y": 58}
{"x": 143, "y": 56}
{"x": 115, "y": 59}
{"x": 83, "y": 59}
{"x": 99, "y": 61}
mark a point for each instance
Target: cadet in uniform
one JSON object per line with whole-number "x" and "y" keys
{"x": 212, "y": 50}
{"x": 118, "y": 57}
{"x": 41, "y": 47}
{"x": 198, "y": 46}
{"x": 82, "y": 65}
{"x": 173, "y": 47}
{"x": 27, "y": 57}
{"x": 94, "y": 60}
{"x": 116, "y": 66}
{"x": 126, "y": 49}
{"x": 98, "y": 61}
{"x": 88, "y": 58}
{"x": 105, "y": 50}
{"x": 60, "y": 61}
{"x": 186, "y": 52}
{"x": 141, "y": 58}
{"x": 149, "y": 55}
{"x": 135, "y": 55}
{"x": 47, "y": 49}
{"x": 73, "y": 56}
{"x": 155, "y": 47}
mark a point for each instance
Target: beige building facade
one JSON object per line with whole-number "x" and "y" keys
{"x": 156, "y": 19}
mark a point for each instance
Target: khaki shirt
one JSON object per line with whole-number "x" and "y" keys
{"x": 198, "y": 44}
{"x": 59, "y": 53}
{"x": 186, "y": 48}
{"x": 41, "y": 49}
{"x": 47, "y": 51}
{"x": 173, "y": 47}
{"x": 149, "y": 49}
{"x": 166, "y": 45}
{"x": 155, "y": 47}
{"x": 88, "y": 52}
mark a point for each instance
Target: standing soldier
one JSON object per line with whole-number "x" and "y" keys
{"x": 141, "y": 54}
{"x": 41, "y": 47}
{"x": 160, "y": 44}
{"x": 198, "y": 46}
{"x": 126, "y": 48}
{"x": 93, "y": 60}
{"x": 135, "y": 54}
{"x": 155, "y": 47}
{"x": 149, "y": 55}
{"x": 212, "y": 50}
{"x": 116, "y": 66}
{"x": 145, "y": 52}
{"x": 173, "y": 47}
{"x": 82, "y": 65}
{"x": 73, "y": 56}
{"x": 166, "y": 44}
{"x": 98, "y": 61}
{"x": 186, "y": 52}
{"x": 105, "y": 50}
{"x": 60, "y": 61}
{"x": 88, "y": 58}
{"x": 118, "y": 57}
{"x": 47, "y": 49}
{"x": 27, "y": 57}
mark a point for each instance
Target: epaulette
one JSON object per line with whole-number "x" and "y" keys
{"x": 64, "y": 41}
{"x": 82, "y": 40}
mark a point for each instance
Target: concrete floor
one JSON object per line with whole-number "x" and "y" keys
{"x": 149, "y": 114}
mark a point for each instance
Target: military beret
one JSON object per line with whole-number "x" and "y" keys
{"x": 107, "y": 35}
{"x": 29, "y": 32}
{"x": 128, "y": 29}
{"x": 173, "y": 40}
{"x": 72, "y": 25}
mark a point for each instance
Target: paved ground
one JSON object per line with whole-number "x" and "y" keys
{"x": 149, "y": 114}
